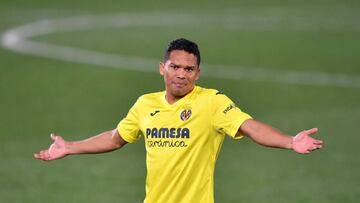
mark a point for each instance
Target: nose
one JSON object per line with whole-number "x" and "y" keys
{"x": 180, "y": 73}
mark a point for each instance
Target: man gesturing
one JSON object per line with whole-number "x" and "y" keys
{"x": 184, "y": 127}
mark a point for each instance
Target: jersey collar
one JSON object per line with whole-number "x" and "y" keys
{"x": 180, "y": 101}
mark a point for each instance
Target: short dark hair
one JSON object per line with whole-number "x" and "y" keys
{"x": 185, "y": 45}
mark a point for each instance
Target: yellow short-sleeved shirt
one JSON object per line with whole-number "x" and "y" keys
{"x": 182, "y": 142}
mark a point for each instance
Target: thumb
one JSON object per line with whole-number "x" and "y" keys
{"x": 311, "y": 131}
{"x": 53, "y": 137}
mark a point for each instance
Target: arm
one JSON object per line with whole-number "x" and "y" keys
{"x": 266, "y": 135}
{"x": 104, "y": 142}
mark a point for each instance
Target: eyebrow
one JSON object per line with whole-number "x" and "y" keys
{"x": 173, "y": 64}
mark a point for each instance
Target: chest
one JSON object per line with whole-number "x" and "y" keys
{"x": 186, "y": 115}
{"x": 177, "y": 126}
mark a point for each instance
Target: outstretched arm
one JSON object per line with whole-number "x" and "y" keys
{"x": 104, "y": 142}
{"x": 268, "y": 136}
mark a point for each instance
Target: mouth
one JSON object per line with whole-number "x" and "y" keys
{"x": 179, "y": 84}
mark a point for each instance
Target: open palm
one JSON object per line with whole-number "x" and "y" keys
{"x": 304, "y": 144}
{"x": 56, "y": 151}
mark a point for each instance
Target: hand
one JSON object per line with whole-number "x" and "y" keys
{"x": 304, "y": 144}
{"x": 56, "y": 151}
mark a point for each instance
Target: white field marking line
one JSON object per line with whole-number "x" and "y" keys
{"x": 18, "y": 39}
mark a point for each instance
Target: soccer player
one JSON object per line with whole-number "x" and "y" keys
{"x": 184, "y": 128}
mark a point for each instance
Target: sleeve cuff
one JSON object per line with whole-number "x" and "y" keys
{"x": 125, "y": 136}
{"x": 233, "y": 134}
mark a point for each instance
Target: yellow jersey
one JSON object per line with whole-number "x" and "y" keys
{"x": 182, "y": 142}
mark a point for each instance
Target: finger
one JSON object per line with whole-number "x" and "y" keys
{"x": 40, "y": 156}
{"x": 52, "y": 136}
{"x": 311, "y": 131}
{"x": 44, "y": 154}
{"x": 318, "y": 142}
{"x": 48, "y": 158}
{"x": 314, "y": 148}
{"x": 36, "y": 155}
{"x": 317, "y": 147}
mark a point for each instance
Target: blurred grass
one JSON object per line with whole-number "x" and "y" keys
{"x": 39, "y": 96}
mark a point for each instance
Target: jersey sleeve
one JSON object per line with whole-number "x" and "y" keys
{"x": 227, "y": 117}
{"x": 128, "y": 127}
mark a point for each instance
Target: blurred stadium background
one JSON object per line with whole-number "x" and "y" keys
{"x": 292, "y": 64}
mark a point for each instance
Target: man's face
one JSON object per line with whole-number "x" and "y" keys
{"x": 180, "y": 72}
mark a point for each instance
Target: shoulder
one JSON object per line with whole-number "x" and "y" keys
{"x": 212, "y": 95}
{"x": 150, "y": 98}
{"x": 152, "y": 95}
{"x": 216, "y": 97}
{"x": 207, "y": 91}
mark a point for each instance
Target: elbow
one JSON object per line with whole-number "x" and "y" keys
{"x": 120, "y": 144}
{"x": 117, "y": 140}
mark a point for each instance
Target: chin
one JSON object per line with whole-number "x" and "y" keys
{"x": 177, "y": 93}
{"x": 180, "y": 91}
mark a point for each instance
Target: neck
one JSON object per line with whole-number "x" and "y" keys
{"x": 172, "y": 99}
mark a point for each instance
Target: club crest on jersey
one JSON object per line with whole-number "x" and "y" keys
{"x": 185, "y": 114}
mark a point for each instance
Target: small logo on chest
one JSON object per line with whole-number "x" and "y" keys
{"x": 185, "y": 114}
{"x": 155, "y": 112}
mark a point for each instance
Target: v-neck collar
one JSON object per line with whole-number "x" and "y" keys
{"x": 180, "y": 101}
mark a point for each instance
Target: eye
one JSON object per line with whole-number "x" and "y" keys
{"x": 189, "y": 69}
{"x": 175, "y": 67}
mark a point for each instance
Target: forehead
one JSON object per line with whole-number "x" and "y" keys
{"x": 181, "y": 57}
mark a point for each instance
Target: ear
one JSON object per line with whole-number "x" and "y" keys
{"x": 198, "y": 73}
{"x": 161, "y": 68}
